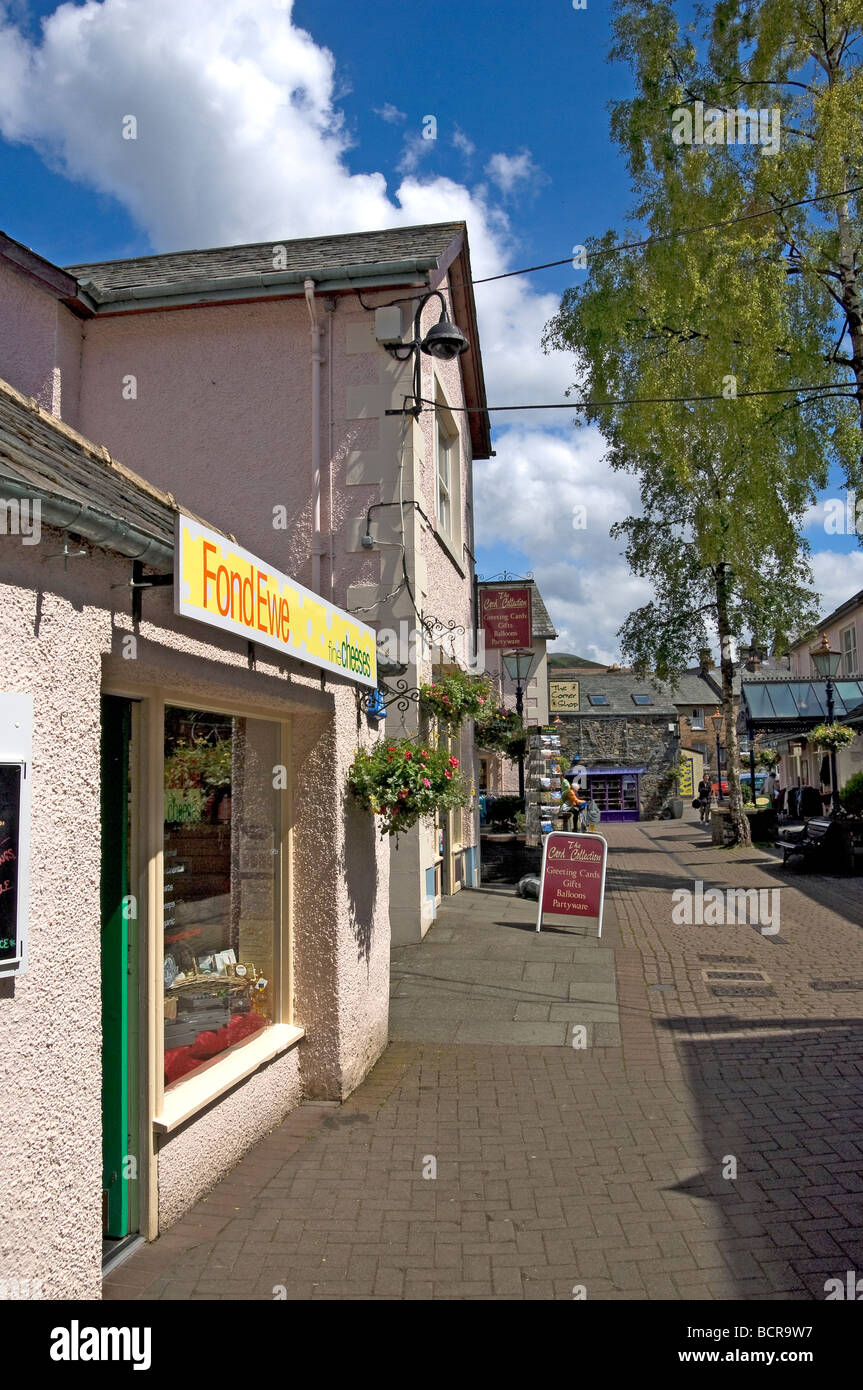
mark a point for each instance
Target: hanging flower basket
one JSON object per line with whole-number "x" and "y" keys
{"x": 401, "y": 780}
{"x": 455, "y": 697}
{"x": 833, "y": 737}
{"x": 497, "y": 728}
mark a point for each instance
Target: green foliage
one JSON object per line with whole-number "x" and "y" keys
{"x": 851, "y": 795}
{"x": 833, "y": 737}
{"x": 767, "y": 758}
{"x": 402, "y": 780}
{"x": 199, "y": 764}
{"x": 456, "y": 696}
{"x": 496, "y": 728}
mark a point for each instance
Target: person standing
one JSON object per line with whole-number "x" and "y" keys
{"x": 705, "y": 796}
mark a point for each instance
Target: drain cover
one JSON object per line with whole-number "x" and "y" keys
{"x": 757, "y": 976}
{"x": 836, "y": 986}
{"x": 728, "y": 960}
{"x": 742, "y": 991}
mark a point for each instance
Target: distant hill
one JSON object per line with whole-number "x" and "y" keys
{"x": 567, "y": 659}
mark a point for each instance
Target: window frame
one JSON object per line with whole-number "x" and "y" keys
{"x": 446, "y": 426}
{"x": 850, "y": 630}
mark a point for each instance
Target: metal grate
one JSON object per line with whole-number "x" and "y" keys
{"x": 756, "y": 976}
{"x": 836, "y": 986}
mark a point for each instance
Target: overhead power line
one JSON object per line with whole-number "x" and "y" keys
{"x": 668, "y": 236}
{"x": 834, "y": 387}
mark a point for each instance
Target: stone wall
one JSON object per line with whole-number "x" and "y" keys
{"x": 624, "y": 741}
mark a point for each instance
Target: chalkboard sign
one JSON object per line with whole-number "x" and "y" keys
{"x": 10, "y": 821}
{"x": 572, "y": 887}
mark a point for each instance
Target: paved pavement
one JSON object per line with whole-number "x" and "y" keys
{"x": 710, "y": 1149}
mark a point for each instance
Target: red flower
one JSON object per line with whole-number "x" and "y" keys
{"x": 453, "y": 762}
{"x": 447, "y": 774}
{"x": 408, "y": 756}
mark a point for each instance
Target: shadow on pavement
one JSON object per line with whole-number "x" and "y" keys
{"x": 782, "y": 1097}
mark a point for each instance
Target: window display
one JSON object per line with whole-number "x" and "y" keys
{"x": 222, "y": 883}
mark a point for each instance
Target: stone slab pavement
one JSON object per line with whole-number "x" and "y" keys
{"x": 705, "y": 1144}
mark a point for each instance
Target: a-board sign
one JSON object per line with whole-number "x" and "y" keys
{"x": 572, "y": 886}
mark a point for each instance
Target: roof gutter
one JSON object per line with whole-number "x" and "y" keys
{"x": 258, "y": 284}
{"x": 95, "y": 526}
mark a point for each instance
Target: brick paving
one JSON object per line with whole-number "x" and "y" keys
{"x": 609, "y": 1168}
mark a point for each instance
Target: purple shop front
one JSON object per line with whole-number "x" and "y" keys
{"x": 616, "y": 791}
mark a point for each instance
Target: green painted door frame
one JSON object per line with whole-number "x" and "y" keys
{"x": 119, "y": 957}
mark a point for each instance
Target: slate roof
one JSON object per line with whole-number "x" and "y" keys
{"x": 619, "y": 687}
{"x": 353, "y": 255}
{"x": 542, "y": 624}
{"x": 97, "y": 497}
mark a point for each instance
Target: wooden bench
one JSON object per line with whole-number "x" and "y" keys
{"x": 834, "y": 842}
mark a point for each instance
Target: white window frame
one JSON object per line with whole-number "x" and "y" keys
{"x": 850, "y": 665}
{"x": 448, "y": 481}
{"x": 697, "y": 720}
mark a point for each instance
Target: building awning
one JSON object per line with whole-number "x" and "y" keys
{"x": 794, "y": 706}
{"x": 615, "y": 771}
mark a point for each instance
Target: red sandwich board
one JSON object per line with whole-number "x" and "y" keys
{"x": 572, "y": 886}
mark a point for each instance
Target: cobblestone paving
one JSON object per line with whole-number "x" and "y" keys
{"x": 558, "y": 1167}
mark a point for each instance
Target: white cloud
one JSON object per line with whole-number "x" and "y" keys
{"x": 390, "y": 113}
{"x": 510, "y": 170}
{"x": 463, "y": 142}
{"x": 838, "y": 576}
{"x": 530, "y": 497}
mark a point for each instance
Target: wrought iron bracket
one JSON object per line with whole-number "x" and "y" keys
{"x": 402, "y": 696}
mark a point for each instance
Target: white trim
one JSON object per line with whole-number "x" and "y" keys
{"x": 245, "y": 1058}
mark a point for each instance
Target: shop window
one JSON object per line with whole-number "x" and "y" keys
{"x": 222, "y": 884}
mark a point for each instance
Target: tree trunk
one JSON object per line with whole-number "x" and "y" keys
{"x": 739, "y": 818}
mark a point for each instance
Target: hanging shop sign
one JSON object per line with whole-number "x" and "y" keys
{"x": 563, "y": 697}
{"x": 218, "y": 583}
{"x": 16, "y": 737}
{"x": 687, "y": 777}
{"x": 506, "y": 618}
{"x": 572, "y": 886}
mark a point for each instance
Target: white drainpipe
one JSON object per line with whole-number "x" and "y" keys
{"x": 317, "y": 359}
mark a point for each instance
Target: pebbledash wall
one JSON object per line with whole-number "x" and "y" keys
{"x": 61, "y": 640}
{"x": 225, "y": 389}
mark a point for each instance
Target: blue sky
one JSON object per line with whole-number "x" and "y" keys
{"x": 520, "y": 95}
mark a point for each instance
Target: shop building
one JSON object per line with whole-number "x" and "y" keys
{"x": 623, "y": 730}
{"x": 209, "y": 916}
{"x": 498, "y": 775}
{"x": 283, "y": 383}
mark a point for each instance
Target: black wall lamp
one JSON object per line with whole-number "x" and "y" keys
{"x": 444, "y": 341}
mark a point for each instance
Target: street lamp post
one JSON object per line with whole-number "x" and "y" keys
{"x": 519, "y": 665}
{"x": 827, "y": 665}
{"x": 716, "y": 721}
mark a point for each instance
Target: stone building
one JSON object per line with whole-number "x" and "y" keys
{"x": 624, "y": 731}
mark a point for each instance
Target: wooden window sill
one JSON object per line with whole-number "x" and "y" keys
{"x": 188, "y": 1097}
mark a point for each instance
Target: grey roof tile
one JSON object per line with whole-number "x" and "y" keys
{"x": 322, "y": 254}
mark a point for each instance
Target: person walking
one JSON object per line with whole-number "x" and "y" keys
{"x": 705, "y": 796}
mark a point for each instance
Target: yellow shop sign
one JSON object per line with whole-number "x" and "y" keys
{"x": 219, "y": 583}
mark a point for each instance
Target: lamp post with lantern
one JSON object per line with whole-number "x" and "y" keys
{"x": 519, "y": 665}
{"x": 827, "y": 664}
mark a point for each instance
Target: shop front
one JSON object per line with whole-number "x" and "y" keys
{"x": 208, "y": 913}
{"x": 616, "y": 791}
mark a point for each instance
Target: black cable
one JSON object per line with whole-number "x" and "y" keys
{"x": 646, "y": 400}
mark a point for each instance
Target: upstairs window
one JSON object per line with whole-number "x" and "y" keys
{"x": 848, "y": 647}
{"x": 642, "y": 700}
{"x": 598, "y": 699}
